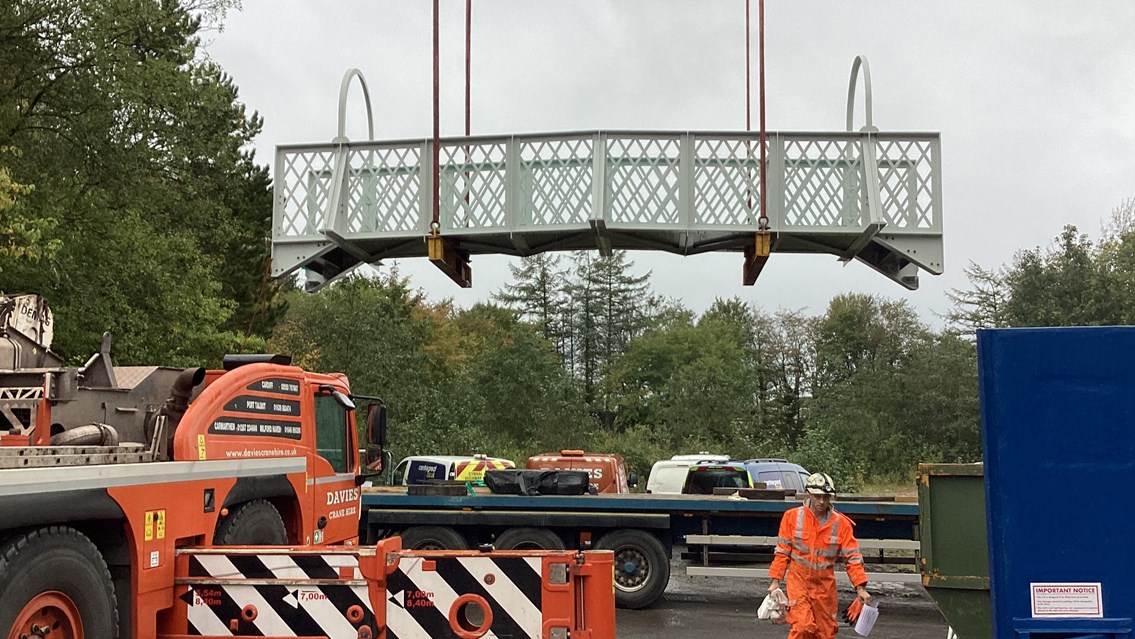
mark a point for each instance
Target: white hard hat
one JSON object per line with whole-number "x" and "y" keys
{"x": 820, "y": 484}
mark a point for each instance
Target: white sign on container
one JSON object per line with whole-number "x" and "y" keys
{"x": 1067, "y": 599}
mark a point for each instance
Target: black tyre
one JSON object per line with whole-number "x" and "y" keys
{"x": 89, "y": 435}
{"x": 433, "y": 538}
{"x": 528, "y": 539}
{"x": 56, "y": 579}
{"x": 253, "y": 523}
{"x": 642, "y": 569}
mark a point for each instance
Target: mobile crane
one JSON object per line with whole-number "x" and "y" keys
{"x": 106, "y": 472}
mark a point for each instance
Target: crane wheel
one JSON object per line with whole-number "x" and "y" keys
{"x": 55, "y": 584}
{"x": 433, "y": 538}
{"x": 642, "y": 568}
{"x": 253, "y": 523}
{"x": 528, "y": 539}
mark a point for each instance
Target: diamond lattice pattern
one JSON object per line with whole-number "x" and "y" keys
{"x": 642, "y": 180}
{"x": 556, "y": 181}
{"x": 303, "y": 192}
{"x": 905, "y": 183}
{"x": 384, "y": 189}
{"x": 727, "y": 181}
{"x": 473, "y": 186}
{"x": 822, "y": 180}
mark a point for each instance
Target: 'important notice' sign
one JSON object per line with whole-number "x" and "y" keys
{"x": 1067, "y": 599}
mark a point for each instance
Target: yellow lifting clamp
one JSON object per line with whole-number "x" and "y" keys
{"x": 756, "y": 254}
{"x": 451, "y": 261}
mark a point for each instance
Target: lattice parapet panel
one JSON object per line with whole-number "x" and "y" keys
{"x": 341, "y": 204}
{"x": 556, "y": 183}
{"x": 909, "y": 183}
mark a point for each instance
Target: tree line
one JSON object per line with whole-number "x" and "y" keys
{"x": 128, "y": 194}
{"x": 130, "y": 198}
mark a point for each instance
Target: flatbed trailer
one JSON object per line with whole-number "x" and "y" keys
{"x": 641, "y": 529}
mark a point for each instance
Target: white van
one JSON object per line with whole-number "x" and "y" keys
{"x": 697, "y": 457}
{"x": 426, "y": 469}
{"x": 669, "y": 475}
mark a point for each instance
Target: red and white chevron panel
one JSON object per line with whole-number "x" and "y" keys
{"x": 428, "y": 597}
{"x": 277, "y": 595}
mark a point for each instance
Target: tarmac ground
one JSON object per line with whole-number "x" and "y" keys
{"x": 726, "y": 608}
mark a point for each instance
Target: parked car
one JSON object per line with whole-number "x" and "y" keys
{"x": 606, "y": 472}
{"x": 777, "y": 473}
{"x": 696, "y": 457}
{"x": 703, "y": 477}
{"x": 425, "y": 469}
{"x": 668, "y": 475}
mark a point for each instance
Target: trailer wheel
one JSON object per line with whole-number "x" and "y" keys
{"x": 55, "y": 584}
{"x": 528, "y": 539}
{"x": 253, "y": 523}
{"x": 642, "y": 569}
{"x": 432, "y": 538}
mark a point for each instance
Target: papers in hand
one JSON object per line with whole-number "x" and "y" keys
{"x": 866, "y": 620}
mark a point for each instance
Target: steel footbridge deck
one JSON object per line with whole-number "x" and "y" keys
{"x": 869, "y": 195}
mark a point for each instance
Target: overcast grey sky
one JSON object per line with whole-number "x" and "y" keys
{"x": 1035, "y": 102}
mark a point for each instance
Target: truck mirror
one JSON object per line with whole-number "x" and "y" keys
{"x": 632, "y": 479}
{"x": 343, "y": 400}
{"x": 376, "y": 425}
{"x": 340, "y": 398}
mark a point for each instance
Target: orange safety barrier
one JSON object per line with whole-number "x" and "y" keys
{"x": 384, "y": 592}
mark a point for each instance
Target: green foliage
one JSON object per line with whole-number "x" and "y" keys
{"x": 520, "y": 392}
{"x": 377, "y": 331}
{"x": 864, "y": 392}
{"x": 640, "y": 445}
{"x": 1073, "y": 282}
{"x": 539, "y": 295}
{"x": 785, "y": 360}
{"x": 21, "y": 234}
{"x": 692, "y": 378}
{"x": 477, "y": 380}
{"x": 148, "y": 217}
{"x": 889, "y": 393}
{"x": 1058, "y": 287}
{"x": 983, "y": 306}
{"x": 589, "y": 313}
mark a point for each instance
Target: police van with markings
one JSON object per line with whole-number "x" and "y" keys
{"x": 428, "y": 469}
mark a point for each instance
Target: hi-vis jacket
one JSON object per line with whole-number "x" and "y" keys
{"x": 808, "y": 550}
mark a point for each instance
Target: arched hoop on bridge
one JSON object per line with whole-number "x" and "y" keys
{"x": 343, "y": 87}
{"x": 337, "y": 203}
{"x": 860, "y": 63}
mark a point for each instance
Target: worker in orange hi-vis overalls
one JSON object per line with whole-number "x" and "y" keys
{"x": 812, "y": 539}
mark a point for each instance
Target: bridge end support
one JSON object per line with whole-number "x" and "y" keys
{"x": 756, "y": 255}
{"x": 453, "y": 262}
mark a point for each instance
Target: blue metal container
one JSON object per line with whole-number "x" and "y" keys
{"x": 1058, "y": 421}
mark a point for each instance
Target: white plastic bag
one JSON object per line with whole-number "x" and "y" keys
{"x": 866, "y": 620}
{"x": 774, "y": 607}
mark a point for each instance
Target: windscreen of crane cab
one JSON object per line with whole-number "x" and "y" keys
{"x": 331, "y": 441}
